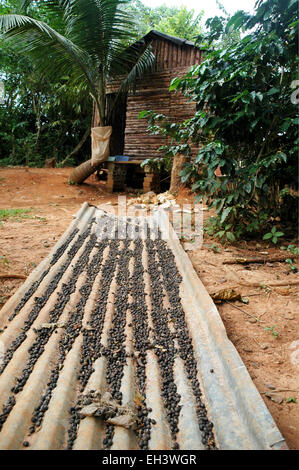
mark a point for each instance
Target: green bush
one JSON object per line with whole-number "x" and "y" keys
{"x": 246, "y": 123}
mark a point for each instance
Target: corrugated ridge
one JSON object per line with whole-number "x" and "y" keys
{"x": 241, "y": 419}
{"x": 126, "y": 321}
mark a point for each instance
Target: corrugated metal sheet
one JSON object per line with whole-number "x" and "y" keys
{"x": 115, "y": 344}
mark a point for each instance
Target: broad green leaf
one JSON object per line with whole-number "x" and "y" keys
{"x": 247, "y": 187}
{"x": 142, "y": 114}
{"x": 174, "y": 84}
{"x": 272, "y": 91}
{"x": 225, "y": 214}
{"x": 230, "y": 236}
{"x": 259, "y": 96}
{"x": 267, "y": 236}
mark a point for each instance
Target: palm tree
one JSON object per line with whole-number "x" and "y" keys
{"x": 90, "y": 45}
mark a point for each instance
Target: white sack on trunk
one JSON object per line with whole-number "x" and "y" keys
{"x": 100, "y": 139}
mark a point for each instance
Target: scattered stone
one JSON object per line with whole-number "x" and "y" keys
{"x": 255, "y": 364}
{"x": 294, "y": 344}
{"x": 148, "y": 199}
{"x": 274, "y": 397}
{"x": 289, "y": 316}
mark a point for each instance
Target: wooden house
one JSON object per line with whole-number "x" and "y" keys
{"x": 174, "y": 57}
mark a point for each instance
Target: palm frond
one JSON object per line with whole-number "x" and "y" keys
{"x": 100, "y": 27}
{"x": 88, "y": 43}
{"x": 44, "y": 43}
{"x": 135, "y": 62}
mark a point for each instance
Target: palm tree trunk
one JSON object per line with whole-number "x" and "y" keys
{"x": 100, "y": 152}
{"x": 81, "y": 172}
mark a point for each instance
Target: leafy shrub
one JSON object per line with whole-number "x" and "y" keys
{"x": 246, "y": 123}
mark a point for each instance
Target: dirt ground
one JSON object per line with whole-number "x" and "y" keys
{"x": 272, "y": 362}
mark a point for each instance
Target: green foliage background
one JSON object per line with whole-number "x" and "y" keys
{"x": 46, "y": 116}
{"x": 246, "y": 124}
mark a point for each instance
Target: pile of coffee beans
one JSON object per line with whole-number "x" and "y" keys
{"x": 140, "y": 327}
{"x": 58, "y": 253}
{"x": 109, "y": 253}
{"x": 73, "y": 326}
{"x": 7, "y": 409}
{"x": 39, "y": 302}
{"x": 43, "y": 335}
{"x": 172, "y": 280}
{"x": 115, "y": 352}
{"x": 164, "y": 339}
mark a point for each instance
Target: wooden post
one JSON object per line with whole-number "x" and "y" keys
{"x": 116, "y": 180}
{"x": 151, "y": 181}
{"x": 177, "y": 166}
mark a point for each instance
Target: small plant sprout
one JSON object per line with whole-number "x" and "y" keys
{"x": 213, "y": 248}
{"x": 273, "y": 330}
{"x": 273, "y": 235}
{"x": 291, "y": 400}
{"x": 292, "y": 248}
{"x": 295, "y": 251}
{"x": 290, "y": 263}
{"x": 4, "y": 260}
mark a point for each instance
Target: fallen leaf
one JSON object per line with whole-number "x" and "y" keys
{"x": 226, "y": 294}
{"x": 138, "y": 399}
{"x": 52, "y": 325}
{"x": 88, "y": 410}
{"x": 126, "y": 421}
{"x": 282, "y": 291}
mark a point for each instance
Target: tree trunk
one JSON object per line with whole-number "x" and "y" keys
{"x": 77, "y": 148}
{"x": 100, "y": 153}
{"x": 38, "y": 125}
{"x": 81, "y": 172}
{"x": 177, "y": 166}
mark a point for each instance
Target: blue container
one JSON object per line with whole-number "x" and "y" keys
{"x": 121, "y": 158}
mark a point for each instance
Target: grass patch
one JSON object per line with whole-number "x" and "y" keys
{"x": 17, "y": 214}
{"x": 4, "y": 260}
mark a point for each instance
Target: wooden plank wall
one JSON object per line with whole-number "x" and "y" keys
{"x": 152, "y": 94}
{"x": 170, "y": 55}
